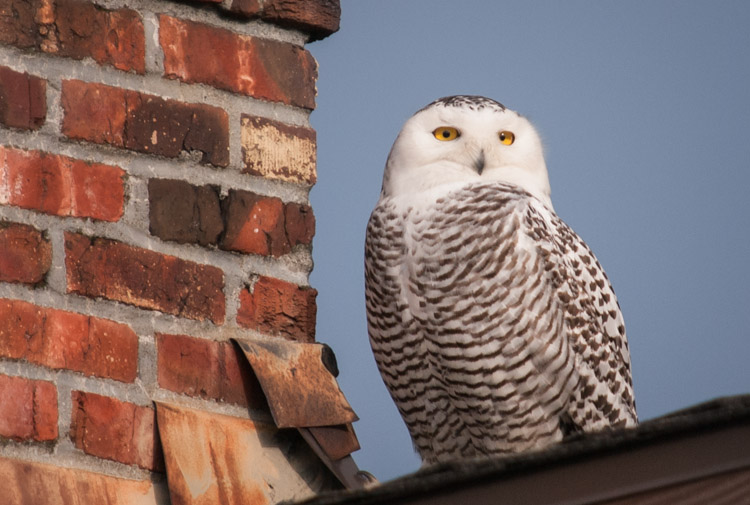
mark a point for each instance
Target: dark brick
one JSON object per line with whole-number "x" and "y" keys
{"x": 299, "y": 223}
{"x": 17, "y": 25}
{"x": 184, "y": 213}
{"x": 25, "y": 255}
{"x": 319, "y": 18}
{"x": 117, "y": 271}
{"x": 23, "y": 100}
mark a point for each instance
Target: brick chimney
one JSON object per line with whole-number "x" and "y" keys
{"x": 155, "y": 163}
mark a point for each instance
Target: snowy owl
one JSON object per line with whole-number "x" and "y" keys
{"x": 492, "y": 323}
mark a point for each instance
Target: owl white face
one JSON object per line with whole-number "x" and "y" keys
{"x": 462, "y": 140}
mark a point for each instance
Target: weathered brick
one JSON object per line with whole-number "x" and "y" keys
{"x": 279, "y": 308}
{"x": 28, "y": 409}
{"x": 112, "y": 37}
{"x": 264, "y": 225}
{"x": 261, "y": 68}
{"x": 144, "y": 123}
{"x": 76, "y": 29}
{"x": 17, "y": 25}
{"x": 206, "y": 369}
{"x": 23, "y": 100}
{"x": 319, "y": 18}
{"x": 246, "y": 8}
{"x": 112, "y": 429}
{"x": 67, "y": 340}
{"x": 60, "y": 185}
{"x": 117, "y": 271}
{"x": 184, "y": 213}
{"x": 278, "y": 151}
{"x": 25, "y": 255}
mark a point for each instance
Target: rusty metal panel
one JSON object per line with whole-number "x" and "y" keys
{"x": 300, "y": 390}
{"x": 214, "y": 459}
{"x": 336, "y": 441}
{"x": 28, "y": 483}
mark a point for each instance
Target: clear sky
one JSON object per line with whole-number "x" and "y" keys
{"x": 644, "y": 108}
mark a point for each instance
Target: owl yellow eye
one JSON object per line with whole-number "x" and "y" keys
{"x": 446, "y": 133}
{"x": 507, "y": 137}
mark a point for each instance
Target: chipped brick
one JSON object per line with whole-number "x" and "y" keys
{"x": 144, "y": 123}
{"x": 279, "y": 308}
{"x": 25, "y": 255}
{"x": 119, "y": 431}
{"x": 265, "y": 225}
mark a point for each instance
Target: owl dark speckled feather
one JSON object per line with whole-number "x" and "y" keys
{"x": 472, "y": 102}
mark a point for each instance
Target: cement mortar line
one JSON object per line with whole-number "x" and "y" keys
{"x": 145, "y": 323}
{"x": 65, "y": 455}
{"x": 210, "y": 16}
{"x": 293, "y": 267}
{"x": 49, "y": 66}
{"x": 147, "y": 166}
{"x": 68, "y": 381}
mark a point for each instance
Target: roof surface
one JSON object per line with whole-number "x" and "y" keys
{"x": 706, "y": 440}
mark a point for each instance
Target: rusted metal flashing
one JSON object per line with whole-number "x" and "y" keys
{"x": 300, "y": 390}
{"x": 214, "y": 459}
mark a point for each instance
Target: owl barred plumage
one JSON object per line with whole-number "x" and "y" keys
{"x": 492, "y": 323}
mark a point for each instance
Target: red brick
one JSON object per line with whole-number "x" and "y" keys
{"x": 60, "y": 185}
{"x": 77, "y": 29}
{"x": 144, "y": 123}
{"x": 261, "y": 68}
{"x": 25, "y": 255}
{"x": 279, "y": 308}
{"x": 119, "y": 431}
{"x": 147, "y": 279}
{"x": 67, "y": 340}
{"x": 319, "y": 18}
{"x": 23, "y": 100}
{"x": 206, "y": 369}
{"x": 265, "y": 225}
{"x": 28, "y": 409}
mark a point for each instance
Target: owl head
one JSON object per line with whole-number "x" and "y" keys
{"x": 459, "y": 140}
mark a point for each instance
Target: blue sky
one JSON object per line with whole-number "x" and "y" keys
{"x": 644, "y": 109}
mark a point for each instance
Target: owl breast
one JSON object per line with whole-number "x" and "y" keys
{"x": 466, "y": 323}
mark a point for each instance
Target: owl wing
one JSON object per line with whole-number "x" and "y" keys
{"x": 593, "y": 324}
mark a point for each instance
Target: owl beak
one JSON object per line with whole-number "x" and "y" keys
{"x": 479, "y": 162}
